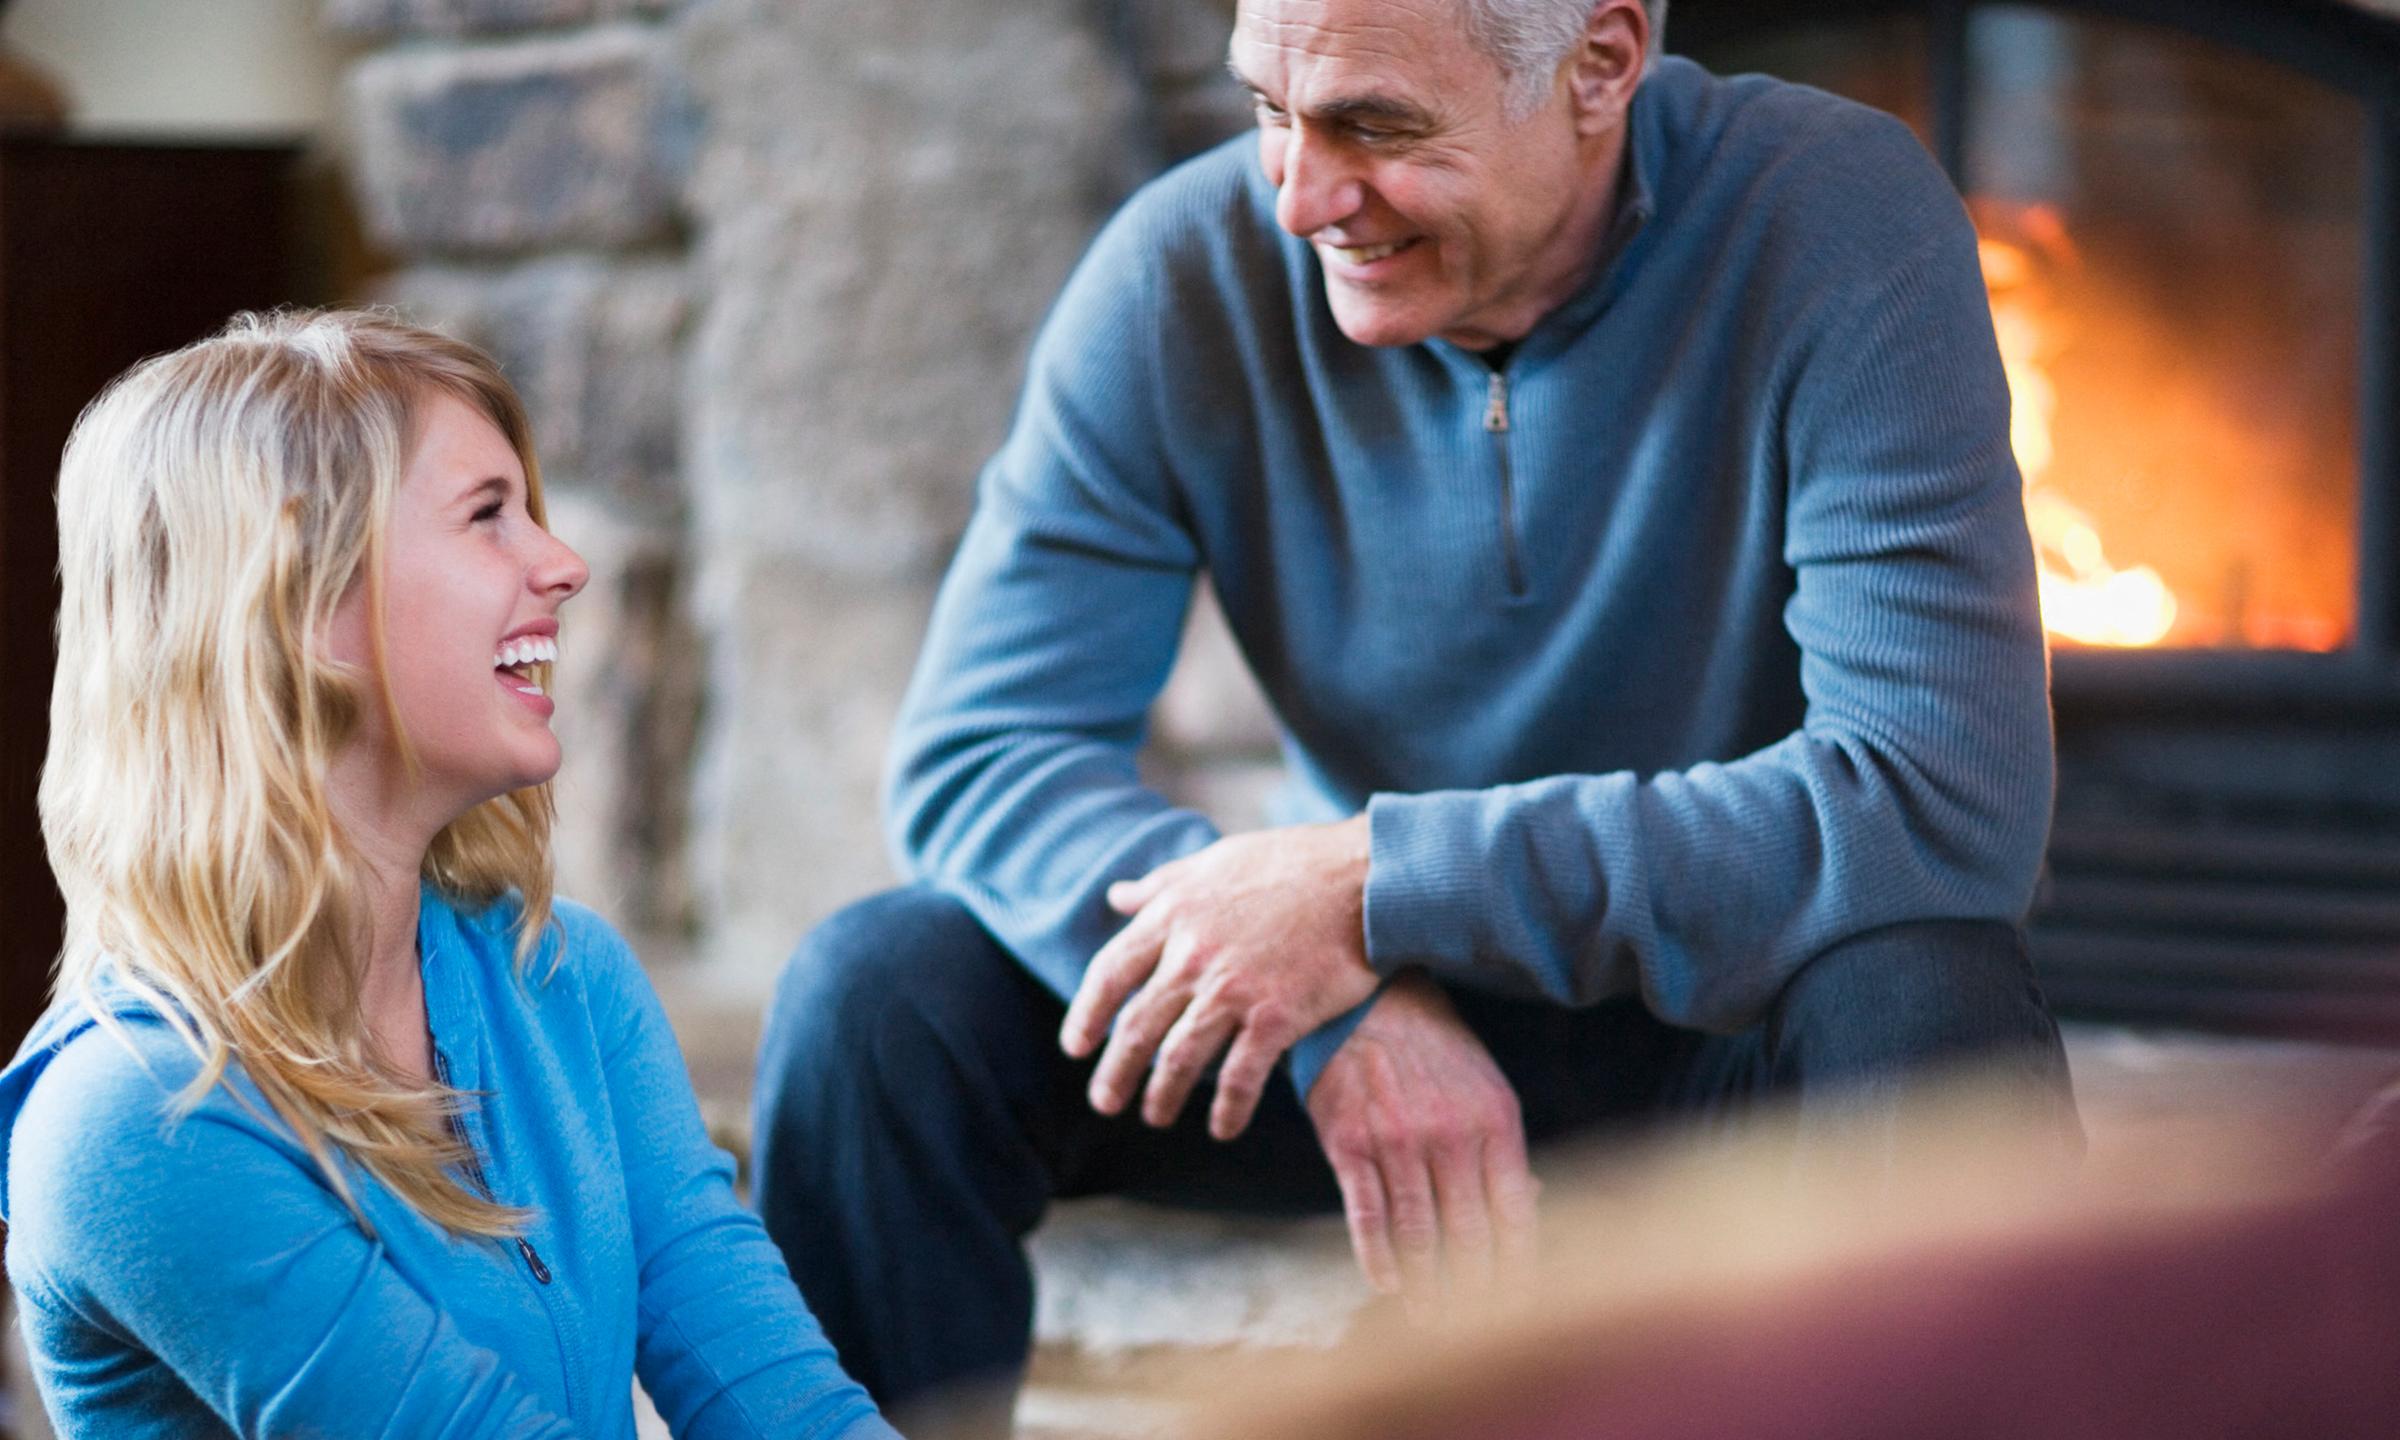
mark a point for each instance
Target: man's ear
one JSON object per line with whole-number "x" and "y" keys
{"x": 1607, "y": 64}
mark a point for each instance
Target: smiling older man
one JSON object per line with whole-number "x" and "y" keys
{"x": 1605, "y": 470}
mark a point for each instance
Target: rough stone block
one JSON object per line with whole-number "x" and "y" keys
{"x": 627, "y": 685}
{"x": 582, "y": 139}
{"x": 805, "y": 671}
{"x": 595, "y": 347}
{"x": 1182, "y": 40}
{"x": 877, "y": 258}
{"x": 455, "y": 17}
{"x": 1197, "y": 115}
{"x": 1193, "y": 102}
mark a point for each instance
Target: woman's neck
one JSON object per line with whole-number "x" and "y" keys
{"x": 391, "y": 847}
{"x": 391, "y": 984}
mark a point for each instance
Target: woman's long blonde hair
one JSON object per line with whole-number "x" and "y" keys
{"x": 214, "y": 506}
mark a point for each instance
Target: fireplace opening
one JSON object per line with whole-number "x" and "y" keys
{"x": 2172, "y": 241}
{"x": 2189, "y": 214}
{"x": 2171, "y": 237}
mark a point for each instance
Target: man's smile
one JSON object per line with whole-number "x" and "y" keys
{"x": 1360, "y": 256}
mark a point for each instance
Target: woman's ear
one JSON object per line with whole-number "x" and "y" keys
{"x": 1607, "y": 64}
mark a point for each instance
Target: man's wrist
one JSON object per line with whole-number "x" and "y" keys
{"x": 1357, "y": 858}
{"x": 1311, "y": 1053}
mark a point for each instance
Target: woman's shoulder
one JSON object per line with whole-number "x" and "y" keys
{"x": 584, "y": 932}
{"x": 601, "y": 963}
{"x": 123, "y": 1071}
{"x": 96, "y": 1131}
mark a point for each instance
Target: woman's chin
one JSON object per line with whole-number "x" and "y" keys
{"x": 526, "y": 777}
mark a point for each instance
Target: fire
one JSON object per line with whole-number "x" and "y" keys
{"x": 2085, "y": 599}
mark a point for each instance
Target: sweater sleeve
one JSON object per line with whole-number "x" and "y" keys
{"x": 1918, "y": 785}
{"x": 214, "y": 1244}
{"x": 724, "y": 1344}
{"x": 1013, "y": 784}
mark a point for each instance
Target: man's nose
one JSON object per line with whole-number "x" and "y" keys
{"x": 1318, "y": 186}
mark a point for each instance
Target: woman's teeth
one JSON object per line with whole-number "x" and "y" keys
{"x": 532, "y": 650}
{"x": 516, "y": 654}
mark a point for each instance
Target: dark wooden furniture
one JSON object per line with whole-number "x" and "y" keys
{"x": 108, "y": 253}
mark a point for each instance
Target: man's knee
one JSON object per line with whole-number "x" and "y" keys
{"x": 1915, "y": 996}
{"x": 899, "y": 1004}
{"x": 863, "y": 990}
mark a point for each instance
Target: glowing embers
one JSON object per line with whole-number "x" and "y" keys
{"x": 2153, "y": 492}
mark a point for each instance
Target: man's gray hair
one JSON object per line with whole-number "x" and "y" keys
{"x": 1530, "y": 37}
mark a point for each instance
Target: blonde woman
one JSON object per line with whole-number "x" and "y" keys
{"x": 338, "y": 1124}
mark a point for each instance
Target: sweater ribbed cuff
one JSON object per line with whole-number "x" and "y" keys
{"x": 1424, "y": 883}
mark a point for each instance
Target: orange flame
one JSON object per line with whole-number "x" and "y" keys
{"x": 2085, "y": 599}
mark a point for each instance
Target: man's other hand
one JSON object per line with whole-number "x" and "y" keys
{"x": 1248, "y": 944}
{"x": 1426, "y": 1139}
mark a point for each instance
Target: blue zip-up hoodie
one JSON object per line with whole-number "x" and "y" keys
{"x": 200, "y": 1277}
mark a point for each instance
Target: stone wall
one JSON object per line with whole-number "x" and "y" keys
{"x": 765, "y": 271}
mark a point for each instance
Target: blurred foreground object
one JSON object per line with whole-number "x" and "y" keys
{"x": 2231, "y": 1281}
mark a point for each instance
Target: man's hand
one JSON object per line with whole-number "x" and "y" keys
{"x": 1252, "y": 942}
{"x": 1425, "y": 1137}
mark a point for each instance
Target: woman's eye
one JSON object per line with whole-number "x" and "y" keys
{"x": 490, "y": 511}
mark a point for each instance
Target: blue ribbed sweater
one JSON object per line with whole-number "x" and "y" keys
{"x": 201, "y": 1278}
{"x": 1700, "y": 638}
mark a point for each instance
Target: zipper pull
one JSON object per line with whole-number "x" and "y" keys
{"x": 1495, "y": 412}
{"x": 533, "y": 1262}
